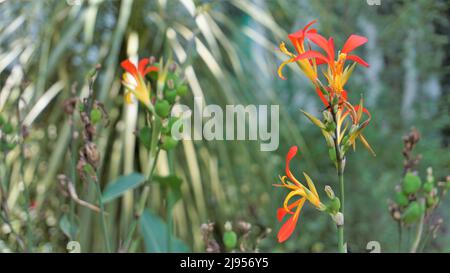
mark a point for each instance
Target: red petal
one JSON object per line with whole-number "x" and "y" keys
{"x": 150, "y": 69}
{"x": 344, "y": 95}
{"x": 292, "y": 152}
{"x": 310, "y": 55}
{"x": 322, "y": 97}
{"x": 321, "y": 42}
{"x": 353, "y": 42}
{"x": 300, "y": 34}
{"x": 287, "y": 229}
{"x": 142, "y": 64}
{"x": 358, "y": 60}
{"x": 331, "y": 46}
{"x": 281, "y": 212}
{"x": 309, "y": 24}
{"x": 129, "y": 67}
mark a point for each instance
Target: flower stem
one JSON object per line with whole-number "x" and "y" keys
{"x": 419, "y": 232}
{"x": 341, "y": 227}
{"x": 340, "y": 172}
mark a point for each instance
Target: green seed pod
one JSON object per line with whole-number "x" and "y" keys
{"x": 401, "y": 199}
{"x": 167, "y": 129}
{"x": 182, "y": 90}
{"x": 7, "y": 128}
{"x": 96, "y": 115}
{"x": 412, "y": 213}
{"x": 411, "y": 183}
{"x": 230, "y": 239}
{"x": 334, "y": 205}
{"x": 162, "y": 108}
{"x": 2, "y": 121}
{"x": 170, "y": 96}
{"x": 169, "y": 143}
{"x": 428, "y": 187}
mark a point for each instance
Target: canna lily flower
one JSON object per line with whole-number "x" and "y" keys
{"x": 297, "y": 39}
{"x": 336, "y": 73}
{"x": 297, "y": 189}
{"x": 134, "y": 80}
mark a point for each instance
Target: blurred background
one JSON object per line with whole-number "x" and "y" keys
{"x": 229, "y": 52}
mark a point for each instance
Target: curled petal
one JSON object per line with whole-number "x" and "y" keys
{"x": 353, "y": 42}
{"x": 311, "y": 54}
{"x": 288, "y": 227}
{"x": 281, "y": 212}
{"x": 142, "y": 64}
{"x": 280, "y": 68}
{"x": 150, "y": 69}
{"x": 299, "y": 192}
{"x": 292, "y": 152}
{"x": 129, "y": 67}
{"x": 322, "y": 42}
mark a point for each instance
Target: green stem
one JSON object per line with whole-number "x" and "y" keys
{"x": 102, "y": 217}
{"x": 419, "y": 232}
{"x": 341, "y": 227}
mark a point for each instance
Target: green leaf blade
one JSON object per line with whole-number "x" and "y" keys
{"x": 122, "y": 185}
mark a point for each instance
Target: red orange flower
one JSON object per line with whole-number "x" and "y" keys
{"x": 296, "y": 189}
{"x": 134, "y": 80}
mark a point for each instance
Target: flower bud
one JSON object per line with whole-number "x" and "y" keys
{"x": 329, "y": 191}
{"x": 327, "y": 116}
{"x": 411, "y": 183}
{"x": 230, "y": 239}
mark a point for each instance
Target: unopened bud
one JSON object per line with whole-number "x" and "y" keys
{"x": 327, "y": 116}
{"x": 228, "y": 226}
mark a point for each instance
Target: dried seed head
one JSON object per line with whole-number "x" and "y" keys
{"x": 69, "y": 105}
{"x": 244, "y": 227}
{"x": 92, "y": 154}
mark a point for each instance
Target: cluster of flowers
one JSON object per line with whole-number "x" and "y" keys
{"x": 343, "y": 122}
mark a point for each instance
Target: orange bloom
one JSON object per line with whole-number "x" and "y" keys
{"x": 336, "y": 73}
{"x": 134, "y": 80}
{"x": 296, "y": 189}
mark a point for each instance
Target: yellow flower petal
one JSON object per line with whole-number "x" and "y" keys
{"x": 128, "y": 97}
